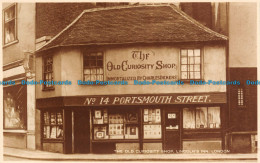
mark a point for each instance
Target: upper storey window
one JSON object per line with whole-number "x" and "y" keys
{"x": 93, "y": 66}
{"x": 48, "y": 71}
{"x": 190, "y": 64}
{"x": 10, "y": 33}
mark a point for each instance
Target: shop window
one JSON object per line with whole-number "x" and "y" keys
{"x": 190, "y": 64}
{"x": 115, "y": 125}
{"x": 10, "y": 24}
{"x": 93, "y": 66}
{"x": 152, "y": 124}
{"x": 52, "y": 125}
{"x": 240, "y": 97}
{"x": 48, "y": 72}
{"x": 201, "y": 117}
{"x": 15, "y": 104}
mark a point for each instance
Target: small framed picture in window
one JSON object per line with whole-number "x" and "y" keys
{"x": 132, "y": 117}
{"x": 100, "y": 134}
{"x": 97, "y": 114}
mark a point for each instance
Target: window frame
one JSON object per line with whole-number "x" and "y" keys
{"x": 201, "y": 63}
{"x": 15, "y": 25}
{"x": 243, "y": 98}
{"x": 24, "y": 109}
{"x": 126, "y": 123}
{"x": 88, "y": 52}
{"x": 50, "y": 125}
{"x": 202, "y": 129}
{"x": 51, "y": 87}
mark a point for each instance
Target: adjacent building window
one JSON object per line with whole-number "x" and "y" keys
{"x": 240, "y": 97}
{"x": 201, "y": 117}
{"x": 190, "y": 64}
{"x": 52, "y": 125}
{"x": 93, "y": 66}
{"x": 15, "y": 105}
{"x": 48, "y": 72}
{"x": 10, "y": 24}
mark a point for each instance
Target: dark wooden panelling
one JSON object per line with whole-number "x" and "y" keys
{"x": 243, "y": 118}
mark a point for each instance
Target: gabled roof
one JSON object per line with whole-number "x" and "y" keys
{"x": 132, "y": 24}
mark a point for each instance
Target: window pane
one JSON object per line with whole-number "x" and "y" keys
{"x": 50, "y": 76}
{"x": 46, "y": 118}
{"x": 46, "y": 77}
{"x": 93, "y": 77}
{"x": 53, "y": 118}
{"x": 191, "y": 68}
{"x": 86, "y": 62}
{"x": 86, "y": 77}
{"x": 100, "y": 63}
{"x": 46, "y": 132}
{"x": 99, "y": 54}
{"x": 197, "y": 75}
{"x": 197, "y": 60}
{"x": 50, "y": 67}
{"x": 53, "y": 132}
{"x": 184, "y": 75}
{"x": 191, "y": 60}
{"x": 188, "y": 118}
{"x": 201, "y": 117}
{"x": 183, "y": 67}
{"x": 98, "y": 77}
{"x": 197, "y": 52}
{"x": 100, "y": 71}
{"x": 190, "y": 53}
{"x": 191, "y": 75}
{"x": 184, "y": 60}
{"x": 184, "y": 53}
{"x": 214, "y": 117}
{"x": 9, "y": 31}
{"x": 86, "y": 71}
{"x": 59, "y": 132}
{"x": 10, "y": 13}
{"x": 196, "y": 67}
{"x": 92, "y": 63}
{"x": 93, "y": 71}
{"x": 101, "y": 77}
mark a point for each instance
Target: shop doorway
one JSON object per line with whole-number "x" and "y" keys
{"x": 81, "y": 131}
{"x": 172, "y": 131}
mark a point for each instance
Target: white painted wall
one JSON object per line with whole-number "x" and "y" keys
{"x": 243, "y": 34}
{"x": 71, "y": 62}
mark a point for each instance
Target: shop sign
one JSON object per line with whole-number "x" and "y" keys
{"x": 157, "y": 64}
{"x": 145, "y": 99}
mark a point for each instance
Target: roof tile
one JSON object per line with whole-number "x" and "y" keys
{"x": 132, "y": 24}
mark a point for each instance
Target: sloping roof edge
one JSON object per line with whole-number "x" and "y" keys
{"x": 198, "y": 23}
{"x": 123, "y": 7}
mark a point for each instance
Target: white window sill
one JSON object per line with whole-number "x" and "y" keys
{"x": 10, "y": 43}
{"x": 15, "y": 131}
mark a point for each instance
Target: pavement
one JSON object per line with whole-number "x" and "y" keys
{"x": 25, "y": 154}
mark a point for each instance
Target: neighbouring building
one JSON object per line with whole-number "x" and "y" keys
{"x": 242, "y": 99}
{"x": 18, "y": 64}
{"x": 127, "y": 43}
{"x": 239, "y": 22}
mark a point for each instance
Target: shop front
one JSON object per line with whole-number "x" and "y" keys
{"x": 133, "y": 91}
{"x": 143, "y": 124}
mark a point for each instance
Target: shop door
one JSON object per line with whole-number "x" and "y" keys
{"x": 81, "y": 131}
{"x": 172, "y": 131}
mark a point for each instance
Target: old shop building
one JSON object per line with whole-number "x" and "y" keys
{"x": 126, "y": 43}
